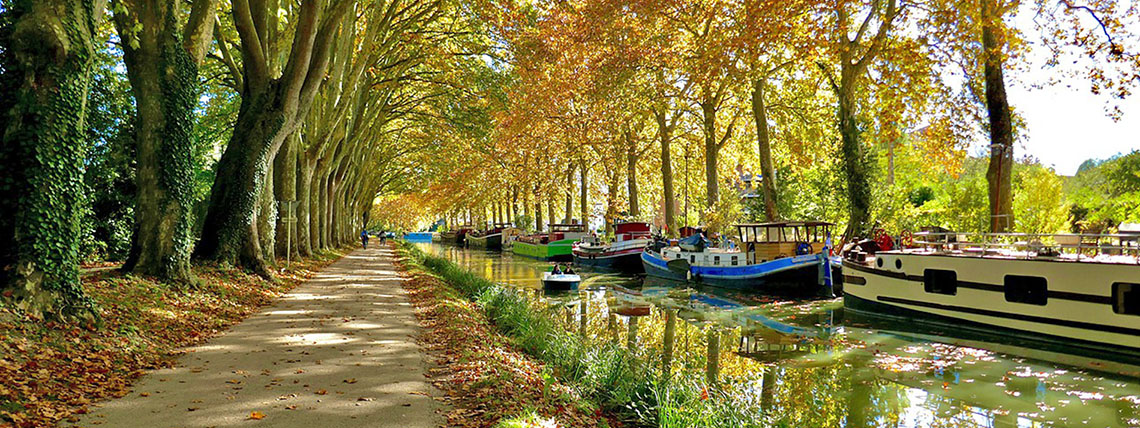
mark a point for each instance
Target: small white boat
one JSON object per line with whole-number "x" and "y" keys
{"x": 561, "y": 281}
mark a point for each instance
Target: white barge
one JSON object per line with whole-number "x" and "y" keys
{"x": 1072, "y": 290}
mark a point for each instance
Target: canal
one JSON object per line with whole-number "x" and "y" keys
{"x": 812, "y": 364}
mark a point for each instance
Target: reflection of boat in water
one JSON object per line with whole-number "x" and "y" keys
{"x": 776, "y": 256}
{"x": 1036, "y": 289}
{"x": 623, "y": 254}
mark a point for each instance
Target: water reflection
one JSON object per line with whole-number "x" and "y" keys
{"x": 807, "y": 363}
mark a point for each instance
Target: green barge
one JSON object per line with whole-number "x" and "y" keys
{"x": 556, "y": 245}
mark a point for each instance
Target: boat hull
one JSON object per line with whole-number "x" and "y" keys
{"x": 1077, "y": 309}
{"x": 556, "y": 251}
{"x": 490, "y": 242}
{"x": 800, "y": 273}
{"x": 628, "y": 260}
{"x": 418, "y": 237}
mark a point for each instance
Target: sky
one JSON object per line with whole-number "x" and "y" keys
{"x": 1066, "y": 126}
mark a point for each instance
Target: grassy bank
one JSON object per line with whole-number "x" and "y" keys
{"x": 50, "y": 372}
{"x": 600, "y": 371}
{"x": 488, "y": 380}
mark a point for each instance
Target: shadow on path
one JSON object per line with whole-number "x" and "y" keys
{"x": 338, "y": 351}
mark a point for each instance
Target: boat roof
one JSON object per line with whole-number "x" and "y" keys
{"x": 787, "y": 224}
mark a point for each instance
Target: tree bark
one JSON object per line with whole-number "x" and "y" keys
{"x": 664, "y": 130}
{"x": 46, "y": 67}
{"x": 304, "y": 208}
{"x": 631, "y": 183}
{"x": 267, "y": 217}
{"x": 854, "y": 163}
{"x": 285, "y": 188}
{"x": 767, "y": 170}
{"x": 162, "y": 60}
{"x": 584, "y": 209}
{"x": 1000, "y": 123}
{"x": 712, "y": 152}
{"x": 569, "y": 196}
{"x": 230, "y": 226}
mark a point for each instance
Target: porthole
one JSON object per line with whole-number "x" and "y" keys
{"x": 898, "y": 263}
{"x": 879, "y": 262}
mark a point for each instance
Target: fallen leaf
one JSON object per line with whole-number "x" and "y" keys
{"x": 352, "y": 380}
{"x": 321, "y": 392}
{"x": 255, "y": 415}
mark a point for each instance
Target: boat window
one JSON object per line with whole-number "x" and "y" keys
{"x": 692, "y": 259}
{"x": 940, "y": 281}
{"x": 716, "y": 260}
{"x": 734, "y": 260}
{"x": 1126, "y": 298}
{"x": 1032, "y": 290}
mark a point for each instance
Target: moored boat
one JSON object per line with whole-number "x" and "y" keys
{"x": 560, "y": 281}
{"x": 623, "y": 254}
{"x": 1070, "y": 290}
{"x": 558, "y": 244}
{"x": 778, "y": 256}
{"x": 491, "y": 239}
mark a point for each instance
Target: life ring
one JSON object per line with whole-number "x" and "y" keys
{"x": 906, "y": 239}
{"x": 803, "y": 248}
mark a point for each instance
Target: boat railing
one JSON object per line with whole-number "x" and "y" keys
{"x": 1033, "y": 245}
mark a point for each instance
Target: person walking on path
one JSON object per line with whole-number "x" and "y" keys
{"x": 364, "y": 238}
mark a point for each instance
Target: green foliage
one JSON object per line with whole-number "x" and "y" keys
{"x": 1038, "y": 201}
{"x": 1104, "y": 194}
{"x": 109, "y": 178}
{"x": 524, "y": 222}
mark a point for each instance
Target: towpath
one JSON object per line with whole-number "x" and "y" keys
{"x": 338, "y": 351}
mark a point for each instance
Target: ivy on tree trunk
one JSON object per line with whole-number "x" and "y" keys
{"x": 47, "y": 64}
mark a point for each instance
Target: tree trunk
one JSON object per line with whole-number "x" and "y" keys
{"x": 304, "y": 209}
{"x": 537, "y": 211}
{"x": 43, "y": 108}
{"x": 612, "y": 200}
{"x": 549, "y": 214}
{"x": 712, "y": 153}
{"x": 767, "y": 170}
{"x": 569, "y": 196}
{"x": 1001, "y": 127}
{"x": 230, "y": 226}
{"x": 285, "y": 191}
{"x": 631, "y": 184}
{"x": 854, "y": 159}
{"x": 267, "y": 218}
{"x": 665, "y": 131}
{"x": 584, "y": 208}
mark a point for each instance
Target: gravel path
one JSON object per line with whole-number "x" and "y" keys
{"x": 338, "y": 351}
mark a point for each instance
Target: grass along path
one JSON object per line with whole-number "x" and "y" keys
{"x": 51, "y": 372}
{"x": 488, "y": 380}
{"x": 596, "y": 369}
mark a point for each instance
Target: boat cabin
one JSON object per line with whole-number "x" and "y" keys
{"x": 557, "y": 232}
{"x": 631, "y": 230}
{"x": 688, "y": 231}
{"x": 764, "y": 242}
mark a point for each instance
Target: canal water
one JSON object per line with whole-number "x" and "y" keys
{"x": 816, "y": 366}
